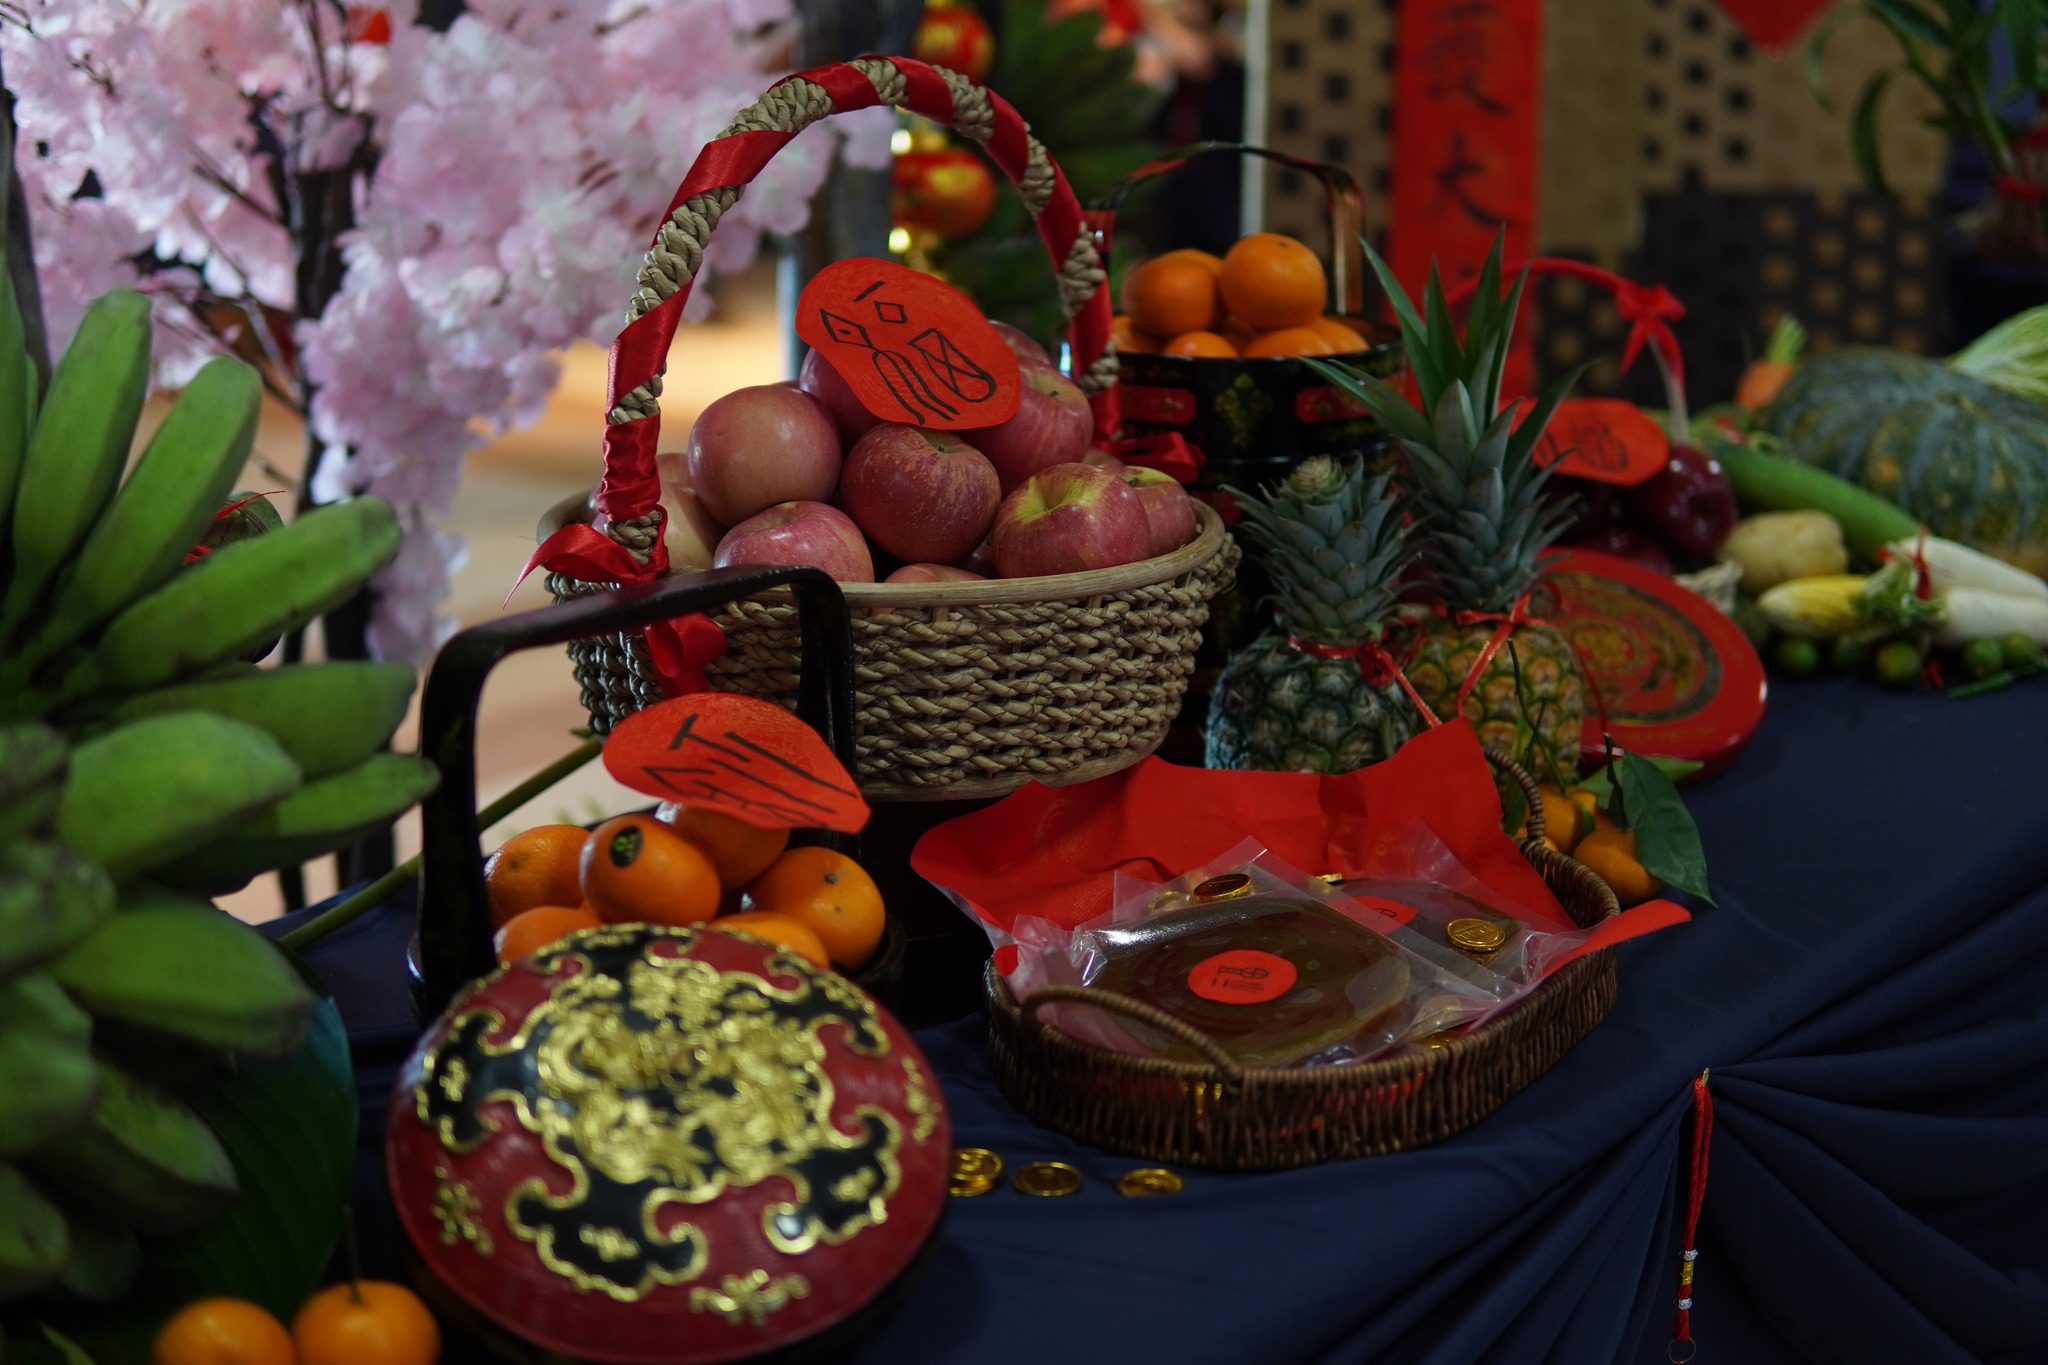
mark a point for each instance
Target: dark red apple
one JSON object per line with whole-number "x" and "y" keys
{"x": 982, "y": 562}
{"x": 922, "y": 496}
{"x": 1053, "y": 426}
{"x": 759, "y": 446}
{"x": 933, "y": 573}
{"x": 818, "y": 379}
{"x": 802, "y": 533}
{"x": 1689, "y": 504}
{"x": 1595, "y": 505}
{"x": 1027, "y": 351}
{"x": 1632, "y": 545}
{"x": 1169, "y": 512}
{"x": 1070, "y": 518}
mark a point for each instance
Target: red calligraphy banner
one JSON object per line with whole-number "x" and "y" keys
{"x": 1468, "y": 127}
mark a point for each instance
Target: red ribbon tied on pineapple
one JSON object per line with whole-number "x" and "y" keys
{"x": 1375, "y": 665}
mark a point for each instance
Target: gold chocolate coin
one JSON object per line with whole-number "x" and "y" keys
{"x": 1169, "y": 899}
{"x": 1149, "y": 1180}
{"x": 975, "y": 1163}
{"x": 1048, "y": 1178}
{"x": 1330, "y": 878}
{"x": 968, "y": 1186}
{"x": 1224, "y": 887}
{"x": 1475, "y": 935}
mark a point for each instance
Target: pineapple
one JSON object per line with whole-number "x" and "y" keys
{"x": 1474, "y": 479}
{"x": 1334, "y": 544}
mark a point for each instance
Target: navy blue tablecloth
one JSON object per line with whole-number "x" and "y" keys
{"x": 1869, "y": 994}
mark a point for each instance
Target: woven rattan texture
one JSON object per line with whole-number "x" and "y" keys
{"x": 1259, "y": 1118}
{"x": 953, "y": 699}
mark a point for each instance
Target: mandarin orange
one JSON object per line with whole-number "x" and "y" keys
{"x": 740, "y": 851}
{"x": 1273, "y": 281}
{"x": 1341, "y": 335}
{"x": 539, "y": 866}
{"x": 366, "y": 1322}
{"x": 831, "y": 893}
{"x": 1287, "y": 341}
{"x": 223, "y": 1332}
{"x": 638, "y": 870}
{"x": 532, "y": 930}
{"x": 781, "y": 930}
{"x": 1207, "y": 344}
{"x": 1167, "y": 296}
{"x": 1129, "y": 339}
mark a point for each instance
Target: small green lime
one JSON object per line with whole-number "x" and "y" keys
{"x": 1982, "y": 658}
{"x": 2020, "y": 649}
{"x": 1898, "y": 664}
{"x": 1797, "y": 657}
{"x": 1848, "y": 654}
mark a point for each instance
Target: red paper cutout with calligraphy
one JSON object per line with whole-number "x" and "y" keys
{"x": 1606, "y": 440}
{"x": 912, "y": 348}
{"x": 746, "y": 757}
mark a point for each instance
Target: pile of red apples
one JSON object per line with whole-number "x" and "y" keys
{"x": 801, "y": 473}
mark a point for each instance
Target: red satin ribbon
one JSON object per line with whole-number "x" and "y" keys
{"x": 1375, "y": 665}
{"x": 2012, "y": 187}
{"x": 1169, "y": 452}
{"x": 678, "y": 649}
{"x": 1518, "y": 615}
{"x": 1695, "y": 1198}
{"x": 1648, "y": 309}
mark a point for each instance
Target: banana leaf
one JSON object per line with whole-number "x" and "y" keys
{"x": 290, "y": 1126}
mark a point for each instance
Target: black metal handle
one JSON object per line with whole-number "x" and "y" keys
{"x": 454, "y": 937}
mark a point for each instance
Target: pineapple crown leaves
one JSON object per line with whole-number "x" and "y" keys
{"x": 1474, "y": 469}
{"x": 1335, "y": 544}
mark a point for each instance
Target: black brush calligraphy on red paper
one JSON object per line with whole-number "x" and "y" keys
{"x": 746, "y": 757}
{"x": 912, "y": 348}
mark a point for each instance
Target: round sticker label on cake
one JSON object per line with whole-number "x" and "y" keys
{"x": 1242, "y": 976}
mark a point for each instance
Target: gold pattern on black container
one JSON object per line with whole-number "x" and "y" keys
{"x": 455, "y": 1208}
{"x": 752, "y": 1296}
{"x": 660, "y": 1081}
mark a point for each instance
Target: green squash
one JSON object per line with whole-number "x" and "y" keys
{"x": 1969, "y": 460}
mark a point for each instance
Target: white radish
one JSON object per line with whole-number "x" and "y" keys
{"x": 1951, "y": 566}
{"x": 1975, "y": 614}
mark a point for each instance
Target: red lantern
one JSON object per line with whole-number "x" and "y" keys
{"x": 949, "y": 190}
{"x": 653, "y": 1146}
{"x": 952, "y": 35}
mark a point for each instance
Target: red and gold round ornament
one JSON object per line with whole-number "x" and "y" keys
{"x": 948, "y": 190}
{"x": 950, "y": 34}
{"x": 656, "y": 1146}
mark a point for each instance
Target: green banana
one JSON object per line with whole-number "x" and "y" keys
{"x": 187, "y": 969}
{"x": 254, "y": 515}
{"x": 35, "y": 1242}
{"x": 242, "y": 596}
{"x": 47, "y": 1079}
{"x": 163, "y": 509}
{"x": 17, "y": 399}
{"x": 318, "y": 818}
{"x": 159, "y": 787}
{"x": 32, "y": 759}
{"x": 328, "y": 716}
{"x": 50, "y": 900}
{"x": 145, "y": 1159}
{"x": 80, "y": 446}
{"x": 105, "y": 1257}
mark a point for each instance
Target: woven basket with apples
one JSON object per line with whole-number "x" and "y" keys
{"x": 1042, "y": 603}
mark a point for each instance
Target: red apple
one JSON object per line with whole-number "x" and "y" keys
{"x": 808, "y": 533}
{"x": 759, "y": 446}
{"x": 1169, "y": 511}
{"x": 1102, "y": 459}
{"x": 922, "y": 496}
{"x": 851, "y": 416}
{"x": 982, "y": 562}
{"x": 1069, "y": 518}
{"x": 932, "y": 573}
{"x": 1028, "y": 352}
{"x": 1052, "y": 426}
{"x": 1689, "y": 504}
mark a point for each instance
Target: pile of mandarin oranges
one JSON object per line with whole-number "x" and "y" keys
{"x": 1263, "y": 298}
{"x": 682, "y": 866}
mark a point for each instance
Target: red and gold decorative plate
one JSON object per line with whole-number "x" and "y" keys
{"x": 1677, "y": 677}
{"x": 647, "y": 1145}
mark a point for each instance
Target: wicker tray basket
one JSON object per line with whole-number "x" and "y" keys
{"x": 1224, "y": 1116}
{"x": 965, "y": 690}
